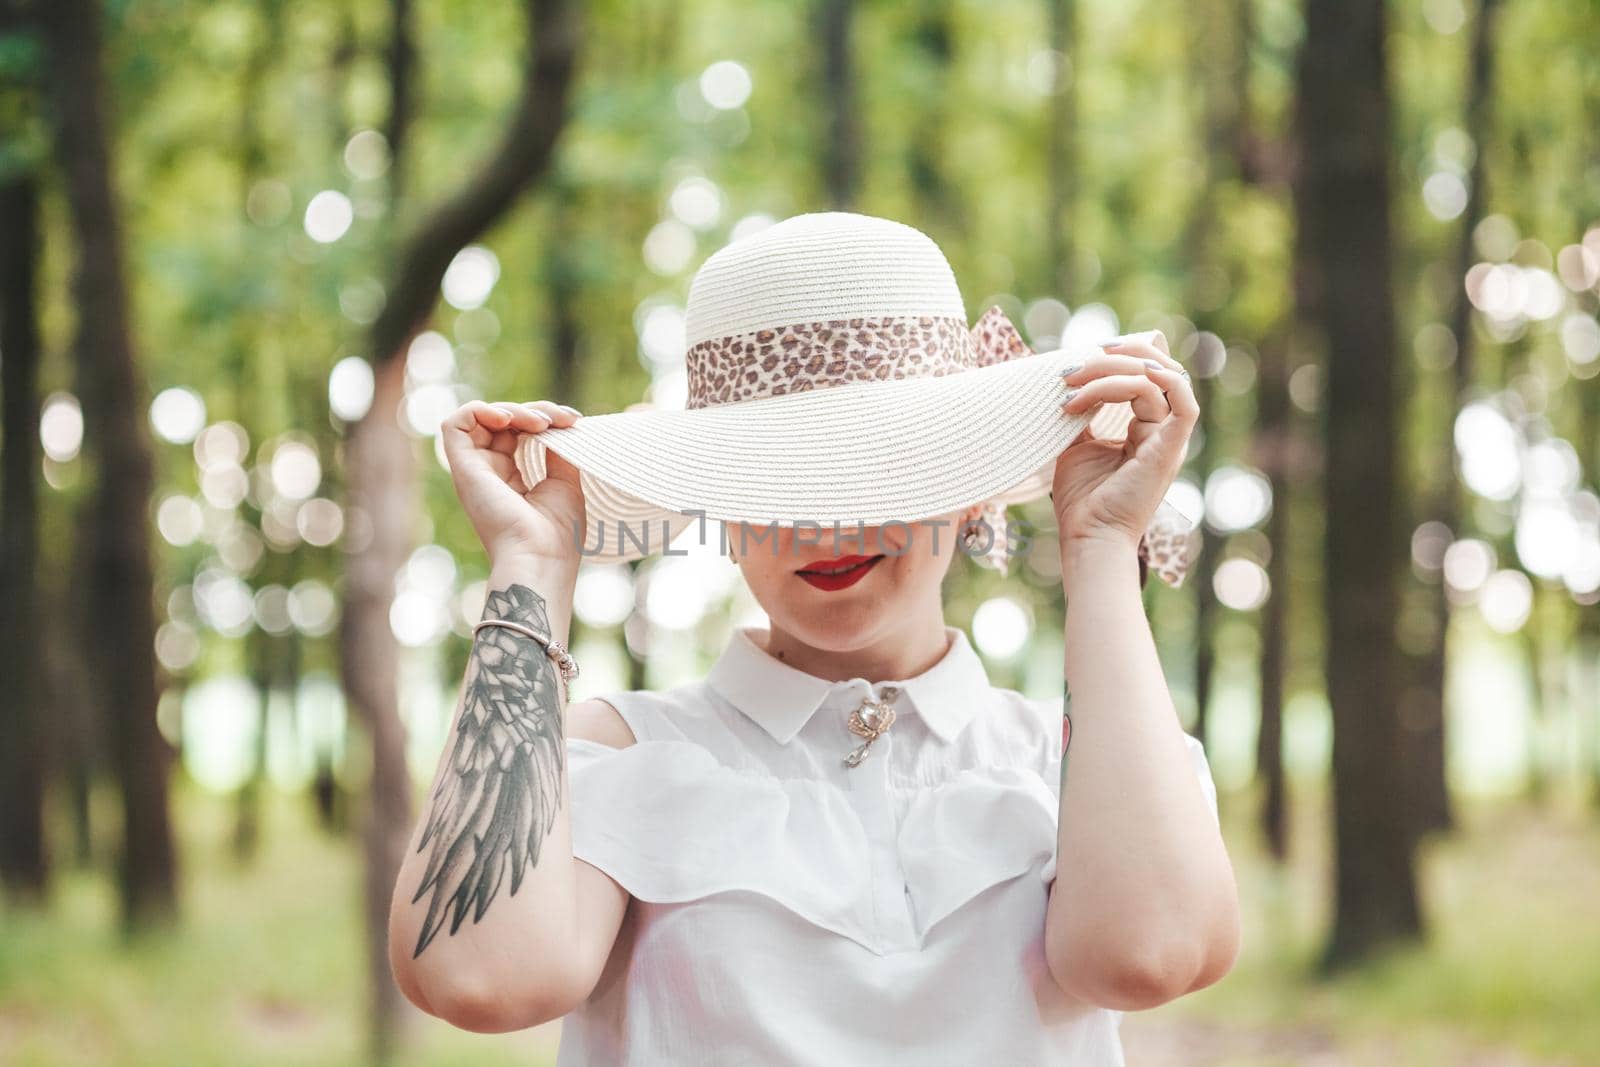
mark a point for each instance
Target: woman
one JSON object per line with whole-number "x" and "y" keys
{"x": 841, "y": 845}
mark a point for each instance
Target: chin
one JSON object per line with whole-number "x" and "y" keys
{"x": 836, "y": 627}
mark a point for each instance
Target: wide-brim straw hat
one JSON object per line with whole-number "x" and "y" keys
{"x": 832, "y": 378}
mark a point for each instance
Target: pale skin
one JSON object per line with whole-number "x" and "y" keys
{"x": 1144, "y": 906}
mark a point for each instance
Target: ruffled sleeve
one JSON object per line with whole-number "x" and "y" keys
{"x": 984, "y": 826}
{"x": 670, "y": 822}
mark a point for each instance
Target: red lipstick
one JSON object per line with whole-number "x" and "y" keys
{"x": 831, "y": 575}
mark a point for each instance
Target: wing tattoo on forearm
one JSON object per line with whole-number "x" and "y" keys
{"x": 497, "y": 800}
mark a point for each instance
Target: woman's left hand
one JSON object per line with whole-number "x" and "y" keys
{"x": 1111, "y": 489}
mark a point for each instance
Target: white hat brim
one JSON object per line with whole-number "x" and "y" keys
{"x": 870, "y": 453}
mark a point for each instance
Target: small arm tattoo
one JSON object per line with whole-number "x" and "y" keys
{"x": 1066, "y": 728}
{"x": 497, "y": 800}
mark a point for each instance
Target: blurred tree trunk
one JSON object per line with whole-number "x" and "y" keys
{"x": 259, "y": 656}
{"x": 1061, "y": 148}
{"x": 381, "y": 507}
{"x": 380, "y": 458}
{"x": 261, "y": 648}
{"x": 1276, "y": 451}
{"x": 937, "y": 207}
{"x": 24, "y": 868}
{"x": 1274, "y": 455}
{"x": 1425, "y": 739}
{"x": 841, "y": 142}
{"x": 1582, "y": 212}
{"x": 1530, "y": 639}
{"x": 1215, "y": 50}
{"x": 1588, "y": 657}
{"x": 118, "y": 659}
{"x": 272, "y": 662}
{"x": 1342, "y": 218}
{"x": 639, "y": 623}
{"x": 252, "y": 148}
{"x": 341, "y": 61}
{"x": 520, "y": 159}
{"x": 1586, "y": 644}
{"x": 563, "y": 266}
{"x": 1205, "y": 570}
{"x": 563, "y": 270}
{"x": 327, "y": 799}
{"x": 402, "y": 93}
{"x": 76, "y": 740}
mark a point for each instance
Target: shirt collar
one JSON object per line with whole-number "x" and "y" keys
{"x": 781, "y": 698}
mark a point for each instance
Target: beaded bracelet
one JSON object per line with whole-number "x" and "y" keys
{"x": 553, "y": 648}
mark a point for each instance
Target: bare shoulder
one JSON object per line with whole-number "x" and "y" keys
{"x": 596, "y": 720}
{"x": 602, "y": 900}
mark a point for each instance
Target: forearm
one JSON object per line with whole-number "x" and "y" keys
{"x": 483, "y": 917}
{"x": 1143, "y": 906}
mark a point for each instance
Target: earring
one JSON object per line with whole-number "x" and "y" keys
{"x": 971, "y": 535}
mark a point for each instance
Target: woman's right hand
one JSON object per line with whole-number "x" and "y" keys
{"x": 513, "y": 519}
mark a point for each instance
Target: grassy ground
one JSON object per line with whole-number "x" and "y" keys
{"x": 266, "y": 968}
{"x": 1510, "y": 974}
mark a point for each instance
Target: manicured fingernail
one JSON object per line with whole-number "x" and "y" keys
{"x": 1154, "y": 364}
{"x": 569, "y": 409}
{"x": 1071, "y": 392}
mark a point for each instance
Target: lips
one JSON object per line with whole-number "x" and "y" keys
{"x": 831, "y": 575}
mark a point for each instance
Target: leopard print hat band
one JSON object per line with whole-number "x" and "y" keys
{"x": 816, "y": 355}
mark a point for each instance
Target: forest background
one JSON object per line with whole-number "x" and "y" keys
{"x": 251, "y": 251}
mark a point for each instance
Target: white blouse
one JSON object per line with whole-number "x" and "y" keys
{"x": 791, "y": 910}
